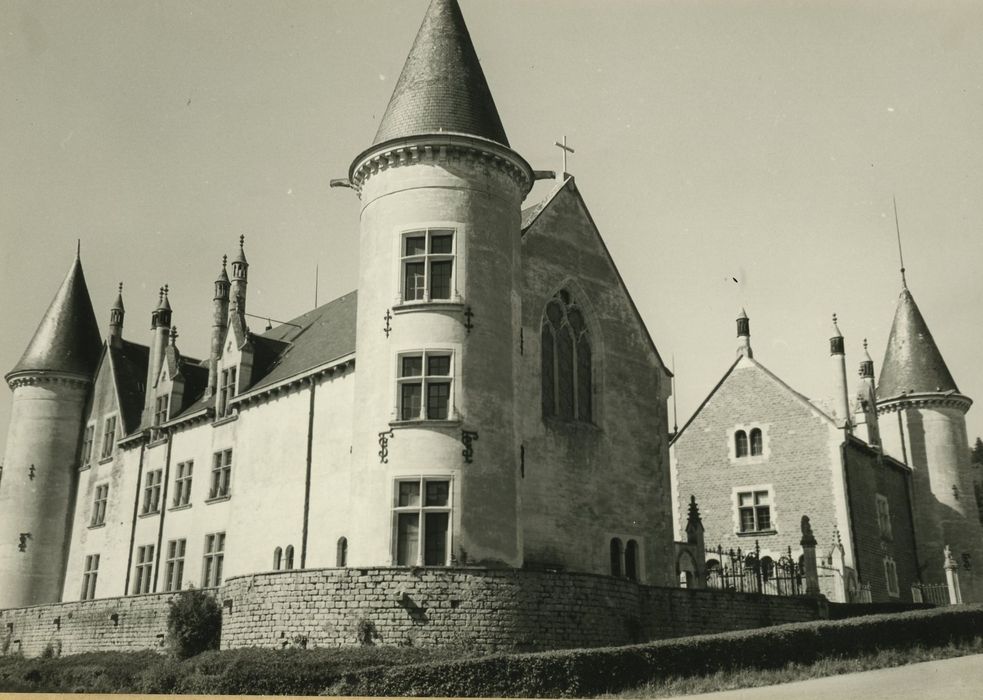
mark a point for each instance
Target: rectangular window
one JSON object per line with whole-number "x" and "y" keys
{"x": 428, "y": 265}
{"x": 883, "y": 516}
{"x": 109, "y": 437}
{"x": 424, "y": 386}
{"x": 227, "y": 391}
{"x": 175, "y": 565}
{"x": 891, "y": 574}
{"x": 422, "y": 525}
{"x": 89, "y": 576}
{"x": 151, "y": 492}
{"x": 221, "y": 474}
{"x": 143, "y": 569}
{"x": 211, "y": 570}
{"x": 87, "y": 440}
{"x": 754, "y": 511}
{"x": 99, "y": 505}
{"x": 182, "y": 483}
{"x": 161, "y": 405}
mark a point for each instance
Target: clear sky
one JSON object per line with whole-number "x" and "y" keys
{"x": 732, "y": 154}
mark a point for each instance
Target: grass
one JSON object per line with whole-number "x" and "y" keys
{"x": 835, "y": 666}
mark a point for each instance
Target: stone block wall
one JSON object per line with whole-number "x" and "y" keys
{"x": 487, "y": 610}
{"x": 132, "y": 623}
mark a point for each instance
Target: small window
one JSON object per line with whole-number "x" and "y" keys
{"x": 221, "y": 474}
{"x": 227, "y": 390}
{"x": 422, "y": 522}
{"x": 567, "y": 379}
{"x": 89, "y": 575}
{"x": 87, "y": 441}
{"x": 428, "y": 265}
{"x": 288, "y": 557}
{"x": 756, "y": 443}
{"x": 341, "y": 558}
{"x": 175, "y": 564}
{"x": 99, "y": 505}
{"x": 151, "y": 492}
{"x": 891, "y": 574}
{"x": 631, "y": 560}
{"x": 754, "y": 511}
{"x": 143, "y": 569}
{"x": 740, "y": 444}
{"x": 211, "y": 570}
{"x": 160, "y": 415}
{"x": 108, "y": 437}
{"x": 182, "y": 483}
{"x": 424, "y": 386}
{"x": 617, "y": 553}
{"x": 883, "y": 516}
{"x": 277, "y": 558}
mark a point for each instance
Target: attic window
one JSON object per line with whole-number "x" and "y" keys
{"x": 227, "y": 392}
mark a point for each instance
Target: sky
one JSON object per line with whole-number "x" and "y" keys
{"x": 733, "y": 154}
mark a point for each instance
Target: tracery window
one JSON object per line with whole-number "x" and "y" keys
{"x": 566, "y": 361}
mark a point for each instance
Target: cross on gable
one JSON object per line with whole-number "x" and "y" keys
{"x": 565, "y": 149}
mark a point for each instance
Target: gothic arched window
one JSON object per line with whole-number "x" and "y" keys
{"x": 756, "y": 444}
{"x": 631, "y": 560}
{"x": 566, "y": 366}
{"x": 740, "y": 444}
{"x": 277, "y": 558}
{"x": 616, "y": 554}
{"x": 289, "y": 557}
{"x": 341, "y": 557}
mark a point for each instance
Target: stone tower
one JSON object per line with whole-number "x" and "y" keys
{"x": 50, "y": 384}
{"x": 922, "y": 421}
{"x": 438, "y": 315}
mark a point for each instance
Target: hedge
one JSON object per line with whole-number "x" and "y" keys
{"x": 587, "y": 672}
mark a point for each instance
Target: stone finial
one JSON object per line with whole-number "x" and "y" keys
{"x": 950, "y": 561}
{"x": 693, "y": 518}
{"x": 808, "y": 539}
{"x": 173, "y": 335}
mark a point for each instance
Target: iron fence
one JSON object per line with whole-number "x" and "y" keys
{"x": 934, "y": 593}
{"x": 749, "y": 572}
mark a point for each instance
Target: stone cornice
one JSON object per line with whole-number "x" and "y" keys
{"x": 35, "y": 377}
{"x": 944, "y": 400}
{"x": 440, "y": 148}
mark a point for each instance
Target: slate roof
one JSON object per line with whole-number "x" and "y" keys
{"x": 130, "y": 362}
{"x": 67, "y": 339}
{"x": 912, "y": 361}
{"x": 442, "y": 87}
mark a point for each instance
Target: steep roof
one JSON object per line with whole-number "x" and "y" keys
{"x": 129, "y": 362}
{"x": 442, "y": 87}
{"x": 67, "y": 339}
{"x": 912, "y": 361}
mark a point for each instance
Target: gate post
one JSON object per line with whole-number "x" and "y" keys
{"x": 694, "y": 537}
{"x": 809, "y": 568}
{"x": 952, "y": 577}
{"x": 839, "y": 564}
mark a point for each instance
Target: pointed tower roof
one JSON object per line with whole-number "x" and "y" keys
{"x": 912, "y": 361}
{"x": 67, "y": 339}
{"x": 442, "y": 87}
{"x": 118, "y": 304}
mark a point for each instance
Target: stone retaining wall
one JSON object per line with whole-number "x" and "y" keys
{"x": 119, "y": 624}
{"x": 489, "y": 610}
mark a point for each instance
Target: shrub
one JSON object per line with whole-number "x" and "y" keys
{"x": 194, "y": 623}
{"x": 585, "y": 672}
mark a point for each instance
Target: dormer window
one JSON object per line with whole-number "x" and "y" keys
{"x": 227, "y": 391}
{"x": 427, "y": 265}
{"x": 108, "y": 437}
{"x": 161, "y": 406}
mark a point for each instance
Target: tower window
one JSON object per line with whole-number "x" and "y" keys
{"x": 109, "y": 437}
{"x": 182, "y": 483}
{"x": 427, "y": 264}
{"x": 89, "y": 575}
{"x": 221, "y": 474}
{"x": 211, "y": 570}
{"x": 142, "y": 570}
{"x": 740, "y": 444}
{"x": 151, "y": 492}
{"x": 175, "y": 564}
{"x": 421, "y": 520}
{"x": 424, "y": 386}
{"x": 566, "y": 361}
{"x": 99, "y": 506}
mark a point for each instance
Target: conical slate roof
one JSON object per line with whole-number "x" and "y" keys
{"x": 912, "y": 362}
{"x": 442, "y": 87}
{"x": 67, "y": 340}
